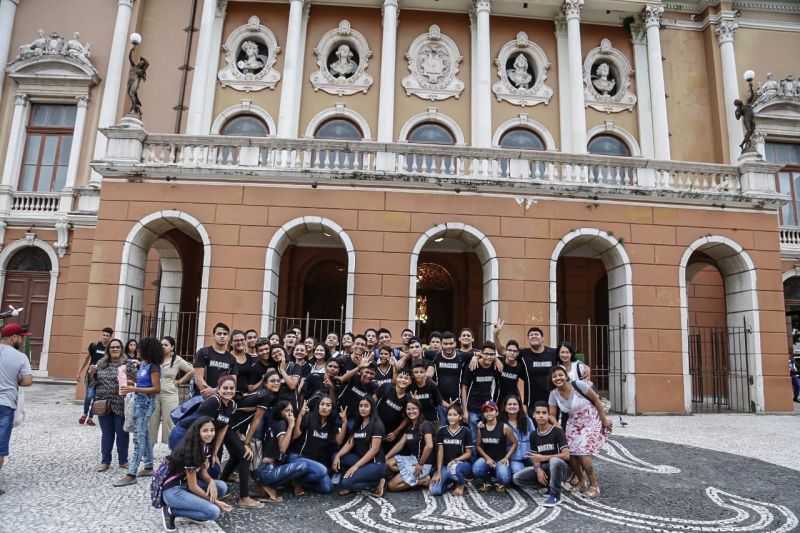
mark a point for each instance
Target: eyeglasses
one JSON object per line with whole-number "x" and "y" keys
{"x": 115, "y": 348}
{"x": 238, "y": 341}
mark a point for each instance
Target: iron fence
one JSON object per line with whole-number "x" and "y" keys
{"x": 311, "y": 327}
{"x": 181, "y": 325}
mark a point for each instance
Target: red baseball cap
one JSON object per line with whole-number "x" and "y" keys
{"x": 489, "y": 405}
{"x": 9, "y": 330}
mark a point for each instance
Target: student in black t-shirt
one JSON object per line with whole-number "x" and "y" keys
{"x": 512, "y": 373}
{"x": 385, "y": 368}
{"x": 260, "y": 365}
{"x": 188, "y": 490}
{"x": 95, "y": 352}
{"x": 538, "y": 360}
{"x": 213, "y": 361}
{"x": 413, "y": 356}
{"x": 411, "y": 458}
{"x": 290, "y": 376}
{"x": 478, "y": 386}
{"x": 426, "y": 391}
{"x": 243, "y": 361}
{"x": 550, "y": 456}
{"x": 391, "y": 403}
{"x": 316, "y": 385}
{"x": 496, "y": 444}
{"x": 274, "y": 471}
{"x": 361, "y": 458}
{"x": 315, "y": 439}
{"x": 358, "y": 388}
{"x": 434, "y": 346}
{"x": 453, "y": 453}
{"x": 448, "y": 366}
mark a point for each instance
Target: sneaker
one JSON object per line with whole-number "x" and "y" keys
{"x": 552, "y": 501}
{"x": 82, "y": 420}
{"x": 90, "y": 422}
{"x": 168, "y": 518}
{"x": 145, "y": 472}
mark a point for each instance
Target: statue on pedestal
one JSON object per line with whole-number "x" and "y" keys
{"x": 136, "y": 76}
{"x": 745, "y": 113}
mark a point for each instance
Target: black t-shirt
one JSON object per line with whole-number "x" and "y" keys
{"x": 549, "y": 443}
{"x": 508, "y": 380}
{"x": 317, "y": 441}
{"x": 257, "y": 371}
{"x": 493, "y": 441}
{"x": 314, "y": 385}
{"x": 390, "y": 407}
{"x": 176, "y": 478}
{"x": 429, "y": 396}
{"x": 270, "y": 447}
{"x": 346, "y": 364}
{"x": 218, "y": 412}
{"x": 243, "y": 370}
{"x": 303, "y": 367}
{"x": 448, "y": 375}
{"x": 429, "y": 354}
{"x": 215, "y": 363}
{"x": 415, "y": 442}
{"x": 291, "y": 395}
{"x": 481, "y": 384}
{"x": 381, "y": 377}
{"x": 96, "y": 352}
{"x": 261, "y": 399}
{"x": 363, "y": 437}
{"x": 353, "y": 392}
{"x": 455, "y": 444}
{"x": 537, "y": 369}
{"x": 409, "y": 366}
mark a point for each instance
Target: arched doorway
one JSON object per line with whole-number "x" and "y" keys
{"x": 324, "y": 289}
{"x": 27, "y": 286}
{"x": 721, "y": 331}
{"x": 791, "y": 300}
{"x": 591, "y": 282}
{"x": 435, "y": 299}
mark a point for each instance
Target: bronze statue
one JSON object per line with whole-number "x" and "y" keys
{"x": 136, "y": 76}
{"x": 744, "y": 112}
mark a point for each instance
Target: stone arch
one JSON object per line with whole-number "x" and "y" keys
{"x": 623, "y": 134}
{"x": 523, "y": 121}
{"x": 741, "y": 300}
{"x": 339, "y": 111}
{"x": 5, "y": 256}
{"x": 482, "y": 247}
{"x": 144, "y": 235}
{"x": 432, "y": 115}
{"x": 610, "y": 251}
{"x": 245, "y": 107}
{"x": 285, "y": 236}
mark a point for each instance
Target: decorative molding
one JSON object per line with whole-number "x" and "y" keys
{"x": 246, "y": 107}
{"x": 82, "y": 100}
{"x": 788, "y": 89}
{"x": 53, "y": 57}
{"x": 524, "y": 83}
{"x": 638, "y": 34}
{"x": 777, "y": 108}
{"x": 524, "y": 121}
{"x": 433, "y": 60}
{"x": 21, "y": 99}
{"x": 338, "y": 111}
{"x": 726, "y": 31}
{"x": 255, "y": 71}
{"x": 651, "y": 15}
{"x": 561, "y": 25}
{"x": 698, "y": 6}
{"x": 482, "y": 5}
{"x": 62, "y": 231}
{"x": 572, "y": 8}
{"x": 344, "y": 75}
{"x": 609, "y": 127}
{"x": 30, "y": 238}
{"x": 432, "y": 115}
{"x": 3, "y": 226}
{"x": 607, "y": 79}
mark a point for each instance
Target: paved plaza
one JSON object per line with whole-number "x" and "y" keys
{"x": 653, "y": 475}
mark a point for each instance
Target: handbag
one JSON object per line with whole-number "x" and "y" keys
{"x": 101, "y": 407}
{"x": 19, "y": 412}
{"x": 129, "y": 421}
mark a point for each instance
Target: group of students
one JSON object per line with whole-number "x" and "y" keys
{"x": 298, "y": 414}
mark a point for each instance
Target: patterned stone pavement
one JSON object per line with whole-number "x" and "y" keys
{"x": 647, "y": 485}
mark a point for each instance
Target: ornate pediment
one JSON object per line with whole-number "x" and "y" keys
{"x": 51, "y": 57}
{"x": 433, "y": 60}
{"x": 250, "y": 54}
{"x": 607, "y": 79}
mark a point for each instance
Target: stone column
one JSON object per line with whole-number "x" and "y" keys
{"x": 658, "y": 99}
{"x": 74, "y": 153}
{"x": 288, "y": 114}
{"x": 16, "y": 140}
{"x": 8, "y": 10}
{"x": 213, "y": 67}
{"x": 387, "y": 93}
{"x": 202, "y": 66}
{"x": 482, "y": 89}
{"x": 639, "y": 40}
{"x": 572, "y": 12}
{"x": 112, "y": 82}
{"x": 562, "y": 52}
{"x": 726, "y": 30}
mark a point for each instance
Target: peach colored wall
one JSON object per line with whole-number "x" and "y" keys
{"x": 241, "y": 220}
{"x": 706, "y": 292}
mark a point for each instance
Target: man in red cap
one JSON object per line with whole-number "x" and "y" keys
{"x": 15, "y": 372}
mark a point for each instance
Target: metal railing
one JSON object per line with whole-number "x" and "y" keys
{"x": 181, "y": 325}
{"x": 35, "y": 202}
{"x": 311, "y": 327}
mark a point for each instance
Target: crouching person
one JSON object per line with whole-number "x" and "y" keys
{"x": 550, "y": 456}
{"x": 274, "y": 473}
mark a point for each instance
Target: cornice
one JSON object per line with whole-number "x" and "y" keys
{"x": 698, "y": 6}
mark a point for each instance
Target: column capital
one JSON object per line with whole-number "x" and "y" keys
{"x": 483, "y": 5}
{"x": 222, "y": 8}
{"x": 572, "y": 9}
{"x": 638, "y": 34}
{"x": 726, "y": 31}
{"x": 126, "y": 3}
{"x": 20, "y": 99}
{"x": 652, "y": 16}
{"x": 561, "y": 25}
{"x": 391, "y": 3}
{"x": 83, "y": 100}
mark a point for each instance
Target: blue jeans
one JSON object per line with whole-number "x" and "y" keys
{"x": 516, "y": 466}
{"x": 795, "y": 386}
{"x": 480, "y": 469}
{"x": 111, "y": 430}
{"x": 184, "y": 503}
{"x": 366, "y": 477}
{"x": 556, "y": 469}
{"x": 6, "y": 425}
{"x": 276, "y": 475}
{"x": 474, "y": 418}
{"x": 462, "y": 470}
{"x": 316, "y": 477}
{"x": 87, "y": 400}
{"x": 143, "y": 407}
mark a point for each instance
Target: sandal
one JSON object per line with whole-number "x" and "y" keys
{"x": 344, "y": 492}
{"x": 500, "y": 488}
{"x": 593, "y": 492}
{"x": 255, "y": 505}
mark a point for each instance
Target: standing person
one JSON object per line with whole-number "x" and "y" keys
{"x": 521, "y": 425}
{"x": 314, "y": 442}
{"x": 576, "y": 370}
{"x": 132, "y": 349}
{"x": 189, "y": 491}
{"x": 385, "y": 339}
{"x": 290, "y": 340}
{"x": 434, "y": 346}
{"x": 362, "y": 456}
{"x": 413, "y": 354}
{"x": 448, "y": 366}
{"x": 167, "y": 400}
{"x": 319, "y": 359}
{"x": 358, "y": 388}
{"x": 550, "y": 456}
{"x": 332, "y": 343}
{"x": 453, "y": 453}
{"x": 289, "y": 373}
{"x": 106, "y": 379}
{"x": 495, "y": 444}
{"x": 466, "y": 338}
{"x": 478, "y": 387}
{"x": 371, "y": 334}
{"x": 243, "y": 361}
{"x": 213, "y": 361}
{"x": 316, "y": 385}
{"x": 586, "y": 428}
{"x": 412, "y": 458}
{"x": 405, "y": 336}
{"x": 425, "y": 390}
{"x": 250, "y": 338}
{"x": 147, "y": 386}
{"x": 384, "y": 370}
{"x": 391, "y": 406}
{"x": 795, "y": 379}
{"x": 261, "y": 364}
{"x": 346, "y": 346}
{"x": 537, "y": 362}
{"x": 95, "y": 352}
{"x": 15, "y": 372}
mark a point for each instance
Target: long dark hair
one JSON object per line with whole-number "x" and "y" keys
{"x": 127, "y": 344}
{"x": 414, "y": 426}
{"x": 151, "y": 351}
{"x": 171, "y": 341}
{"x": 522, "y": 418}
{"x": 569, "y": 347}
{"x": 315, "y": 412}
{"x": 373, "y": 414}
{"x": 557, "y": 368}
{"x": 277, "y": 409}
{"x": 191, "y": 450}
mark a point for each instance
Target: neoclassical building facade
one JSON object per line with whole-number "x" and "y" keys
{"x": 572, "y": 164}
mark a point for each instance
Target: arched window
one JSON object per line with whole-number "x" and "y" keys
{"x": 339, "y": 128}
{"x": 245, "y": 125}
{"x": 608, "y": 145}
{"x": 30, "y": 259}
{"x": 431, "y": 133}
{"x": 521, "y": 139}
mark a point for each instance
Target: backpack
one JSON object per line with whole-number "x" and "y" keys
{"x": 186, "y": 412}
{"x": 160, "y": 478}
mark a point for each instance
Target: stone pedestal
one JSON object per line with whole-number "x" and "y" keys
{"x": 756, "y": 175}
{"x": 127, "y": 143}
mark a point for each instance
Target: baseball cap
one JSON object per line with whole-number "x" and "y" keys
{"x": 10, "y": 330}
{"x": 489, "y": 404}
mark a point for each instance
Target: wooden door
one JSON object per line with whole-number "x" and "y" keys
{"x": 29, "y": 290}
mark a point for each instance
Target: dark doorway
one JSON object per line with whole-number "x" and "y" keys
{"x": 434, "y": 299}
{"x": 325, "y": 290}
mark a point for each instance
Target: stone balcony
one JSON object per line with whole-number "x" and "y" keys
{"x": 134, "y": 153}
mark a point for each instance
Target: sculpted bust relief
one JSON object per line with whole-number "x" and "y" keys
{"x": 601, "y": 82}
{"x": 252, "y": 63}
{"x": 519, "y": 75}
{"x": 344, "y": 65}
